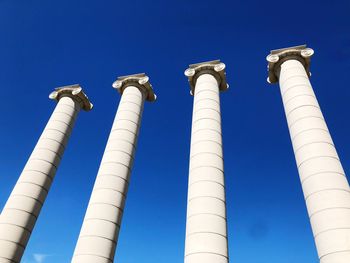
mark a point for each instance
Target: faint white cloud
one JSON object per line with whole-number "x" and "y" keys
{"x": 39, "y": 258}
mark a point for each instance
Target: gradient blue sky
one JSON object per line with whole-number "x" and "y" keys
{"x": 46, "y": 44}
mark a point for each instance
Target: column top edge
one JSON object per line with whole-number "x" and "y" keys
{"x": 75, "y": 92}
{"x": 140, "y": 80}
{"x": 277, "y": 56}
{"x": 213, "y": 67}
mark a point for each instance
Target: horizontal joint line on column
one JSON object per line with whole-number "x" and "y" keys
{"x": 211, "y": 214}
{"x": 301, "y": 106}
{"x": 37, "y": 171}
{"x": 200, "y": 141}
{"x": 138, "y": 92}
{"x": 206, "y": 196}
{"x": 122, "y": 140}
{"x": 201, "y": 119}
{"x": 132, "y": 102}
{"x": 325, "y": 209}
{"x": 206, "y": 129}
{"x": 133, "y": 112}
{"x": 68, "y": 105}
{"x": 130, "y": 155}
{"x": 95, "y": 236}
{"x": 205, "y": 90}
{"x": 28, "y": 182}
{"x": 303, "y": 118}
{"x": 300, "y": 95}
{"x": 205, "y": 232}
{"x": 50, "y": 139}
{"x": 206, "y": 98}
{"x": 295, "y": 86}
{"x": 327, "y": 189}
{"x": 123, "y": 129}
{"x": 30, "y": 197}
{"x": 201, "y": 109}
{"x": 211, "y": 181}
{"x": 109, "y": 162}
{"x": 13, "y": 242}
{"x": 128, "y": 121}
{"x": 310, "y": 143}
{"x": 325, "y": 172}
{"x": 212, "y": 253}
{"x": 106, "y": 188}
{"x": 114, "y": 175}
{"x": 103, "y": 203}
{"x": 212, "y": 153}
{"x": 132, "y": 94}
{"x": 11, "y": 224}
{"x": 292, "y": 77}
{"x": 89, "y": 254}
{"x": 52, "y": 129}
{"x": 341, "y": 251}
{"x": 102, "y": 219}
{"x": 43, "y": 160}
{"x": 312, "y": 129}
{"x": 2, "y": 257}
{"x": 316, "y": 157}
{"x": 132, "y": 142}
{"x": 198, "y": 100}
{"x": 331, "y": 229}
{"x": 65, "y": 113}
{"x": 68, "y": 125}
{"x": 206, "y": 166}
{"x": 11, "y": 208}
{"x": 46, "y": 149}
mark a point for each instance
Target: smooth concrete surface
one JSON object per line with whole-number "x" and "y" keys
{"x": 28, "y": 196}
{"x": 206, "y": 230}
{"x": 325, "y": 186}
{"x": 99, "y": 233}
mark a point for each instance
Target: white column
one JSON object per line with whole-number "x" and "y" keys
{"x": 99, "y": 233}
{"x": 206, "y": 230}
{"x": 326, "y": 189}
{"x": 28, "y": 196}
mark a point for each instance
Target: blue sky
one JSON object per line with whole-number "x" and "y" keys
{"x": 46, "y": 44}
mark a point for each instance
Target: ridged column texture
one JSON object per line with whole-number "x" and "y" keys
{"x": 99, "y": 233}
{"x": 206, "y": 232}
{"x": 22, "y": 209}
{"x": 326, "y": 189}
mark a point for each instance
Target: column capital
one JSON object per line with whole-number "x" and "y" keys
{"x": 140, "y": 81}
{"x": 214, "y": 67}
{"x": 301, "y": 53}
{"x": 75, "y": 92}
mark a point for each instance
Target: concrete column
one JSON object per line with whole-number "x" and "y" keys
{"x": 326, "y": 189}
{"x": 206, "y": 231}
{"x": 99, "y": 233}
{"x": 28, "y": 196}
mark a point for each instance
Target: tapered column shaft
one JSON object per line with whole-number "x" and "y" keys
{"x": 206, "y": 231}
{"x": 326, "y": 189}
{"x": 28, "y": 196}
{"x": 99, "y": 233}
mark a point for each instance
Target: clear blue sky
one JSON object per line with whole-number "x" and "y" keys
{"x": 46, "y": 44}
